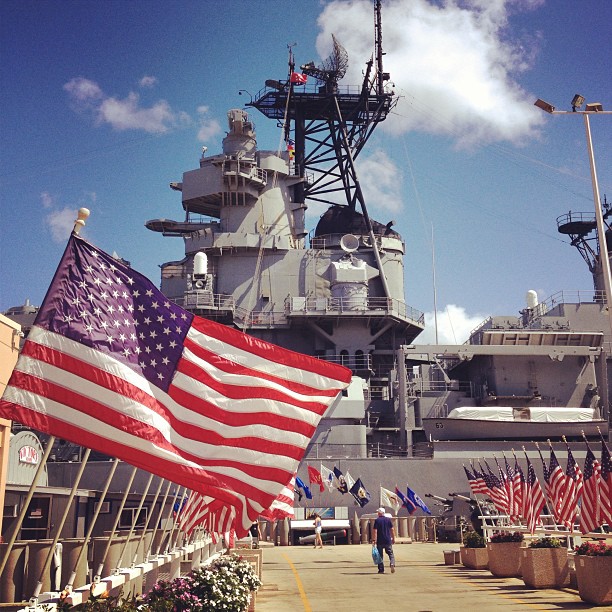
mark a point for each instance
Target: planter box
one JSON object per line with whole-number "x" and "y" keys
{"x": 593, "y": 576}
{"x": 505, "y": 559}
{"x": 545, "y": 568}
{"x": 475, "y": 558}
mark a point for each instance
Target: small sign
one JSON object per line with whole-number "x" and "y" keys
{"x": 28, "y": 454}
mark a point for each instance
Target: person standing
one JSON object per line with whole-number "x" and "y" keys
{"x": 383, "y": 536}
{"x": 318, "y": 524}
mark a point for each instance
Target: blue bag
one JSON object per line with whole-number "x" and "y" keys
{"x": 376, "y": 555}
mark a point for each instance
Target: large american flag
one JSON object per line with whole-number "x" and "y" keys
{"x": 113, "y": 365}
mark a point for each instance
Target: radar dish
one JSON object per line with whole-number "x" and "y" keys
{"x": 333, "y": 68}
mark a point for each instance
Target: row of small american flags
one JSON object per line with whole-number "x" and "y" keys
{"x": 113, "y": 365}
{"x": 573, "y": 496}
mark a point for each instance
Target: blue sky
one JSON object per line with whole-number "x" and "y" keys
{"x": 106, "y": 102}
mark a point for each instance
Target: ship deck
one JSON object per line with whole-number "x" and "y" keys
{"x": 301, "y": 578}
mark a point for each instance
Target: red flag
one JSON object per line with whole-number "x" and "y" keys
{"x": 314, "y": 476}
{"x": 298, "y": 78}
{"x": 113, "y": 365}
{"x": 590, "y": 510}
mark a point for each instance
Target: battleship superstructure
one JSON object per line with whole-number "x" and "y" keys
{"x": 338, "y": 292}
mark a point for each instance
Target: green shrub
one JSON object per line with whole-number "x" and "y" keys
{"x": 474, "y": 540}
{"x": 546, "y": 542}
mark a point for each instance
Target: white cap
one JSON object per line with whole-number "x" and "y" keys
{"x": 381, "y": 511}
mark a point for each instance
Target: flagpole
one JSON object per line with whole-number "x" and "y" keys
{"x": 82, "y": 214}
{"x": 26, "y": 502}
{"x": 60, "y": 526}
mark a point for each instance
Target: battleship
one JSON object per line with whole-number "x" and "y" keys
{"x": 336, "y": 291}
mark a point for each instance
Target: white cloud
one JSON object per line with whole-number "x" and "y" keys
{"x": 127, "y": 113}
{"x": 454, "y": 326}
{"x": 381, "y": 181}
{"x": 147, "y": 81}
{"x": 453, "y": 65}
{"x": 208, "y": 127}
{"x": 61, "y": 223}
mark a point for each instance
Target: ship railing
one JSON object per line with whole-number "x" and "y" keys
{"x": 358, "y": 361}
{"x": 332, "y": 241}
{"x": 375, "y": 450}
{"x": 206, "y": 300}
{"x": 353, "y": 304}
{"x": 576, "y": 296}
{"x": 260, "y": 318}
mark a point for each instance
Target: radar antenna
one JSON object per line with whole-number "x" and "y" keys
{"x": 333, "y": 68}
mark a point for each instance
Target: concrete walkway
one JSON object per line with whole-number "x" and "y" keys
{"x": 339, "y": 578}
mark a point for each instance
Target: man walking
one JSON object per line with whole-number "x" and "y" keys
{"x": 384, "y": 537}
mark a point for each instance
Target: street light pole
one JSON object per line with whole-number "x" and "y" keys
{"x": 591, "y": 109}
{"x": 601, "y": 230}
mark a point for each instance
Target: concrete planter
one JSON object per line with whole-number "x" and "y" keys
{"x": 545, "y": 568}
{"x": 475, "y": 558}
{"x": 594, "y": 579}
{"x": 505, "y": 559}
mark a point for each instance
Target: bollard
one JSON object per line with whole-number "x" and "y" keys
{"x": 355, "y": 530}
{"x": 365, "y": 531}
{"x": 284, "y": 532}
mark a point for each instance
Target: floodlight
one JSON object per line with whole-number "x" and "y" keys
{"x": 594, "y": 107}
{"x": 577, "y": 102}
{"x": 545, "y": 106}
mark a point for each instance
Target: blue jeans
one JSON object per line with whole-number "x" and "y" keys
{"x": 388, "y": 548}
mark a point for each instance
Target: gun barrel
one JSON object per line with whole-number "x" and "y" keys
{"x": 442, "y": 499}
{"x": 325, "y": 535}
{"x": 462, "y": 497}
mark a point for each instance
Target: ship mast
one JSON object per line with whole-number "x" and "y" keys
{"x": 330, "y": 124}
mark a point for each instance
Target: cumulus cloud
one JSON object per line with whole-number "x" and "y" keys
{"x": 208, "y": 127}
{"x": 381, "y": 181}
{"x": 454, "y": 326}
{"x": 452, "y": 63}
{"x": 126, "y": 113}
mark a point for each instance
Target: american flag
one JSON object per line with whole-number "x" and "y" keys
{"x": 571, "y": 490}
{"x": 534, "y": 498}
{"x": 513, "y": 509}
{"x": 519, "y": 487}
{"x": 472, "y": 481}
{"x": 590, "y": 509}
{"x": 283, "y": 506}
{"x": 113, "y": 365}
{"x": 606, "y": 483}
{"x": 481, "y": 485}
{"x": 554, "y": 488}
{"x": 496, "y": 490}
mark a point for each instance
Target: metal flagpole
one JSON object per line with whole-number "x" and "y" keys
{"x": 94, "y": 519}
{"x": 146, "y": 525}
{"x": 26, "y": 502}
{"x": 134, "y": 519}
{"x": 168, "y": 522}
{"x": 97, "y": 575}
{"x": 159, "y": 517}
{"x": 47, "y": 565}
{"x": 78, "y": 224}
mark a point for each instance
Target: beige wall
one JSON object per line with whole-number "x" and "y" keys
{"x": 9, "y": 350}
